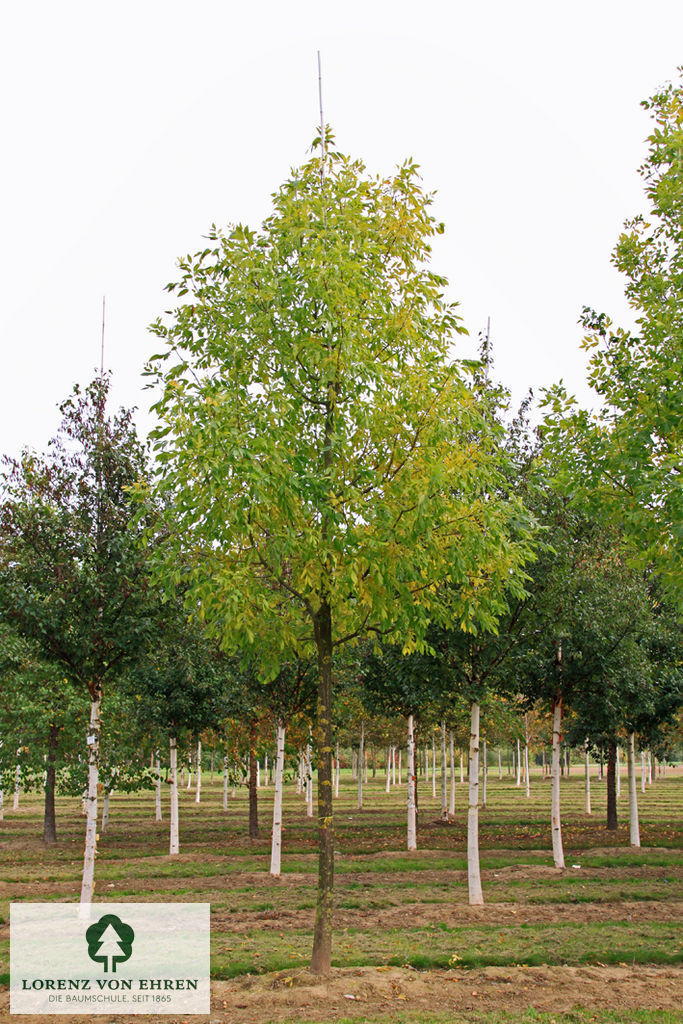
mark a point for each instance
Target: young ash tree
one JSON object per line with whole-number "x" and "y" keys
{"x": 324, "y": 463}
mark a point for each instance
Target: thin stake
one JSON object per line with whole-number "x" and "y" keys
{"x": 322, "y": 121}
{"x": 102, "y": 348}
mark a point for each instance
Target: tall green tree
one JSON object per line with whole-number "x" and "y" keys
{"x": 72, "y": 574}
{"x": 625, "y": 460}
{"x": 324, "y": 463}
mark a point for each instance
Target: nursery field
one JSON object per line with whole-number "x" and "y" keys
{"x": 599, "y": 941}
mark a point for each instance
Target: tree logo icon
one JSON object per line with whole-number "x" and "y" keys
{"x": 110, "y": 941}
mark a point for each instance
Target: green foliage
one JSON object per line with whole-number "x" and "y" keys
{"x": 624, "y": 461}
{"x": 317, "y": 446}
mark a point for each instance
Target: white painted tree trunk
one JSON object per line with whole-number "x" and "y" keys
{"x": 393, "y": 766}
{"x": 588, "y": 782}
{"x": 462, "y": 769}
{"x": 558, "y": 852}
{"x": 388, "y": 782}
{"x": 451, "y": 754}
{"x": 276, "y": 845}
{"x": 484, "y": 774}
{"x": 412, "y": 821}
{"x": 258, "y": 774}
{"x": 519, "y": 764}
{"x": 225, "y": 783}
{"x": 189, "y": 771}
{"x": 336, "y": 780}
{"x": 199, "y": 772}
{"x": 649, "y": 768}
{"x": 444, "y": 770}
{"x": 17, "y": 779}
{"x": 426, "y": 764}
{"x": 300, "y": 774}
{"x": 500, "y": 765}
{"x": 618, "y": 766}
{"x": 476, "y": 897}
{"x": 642, "y": 770}
{"x": 265, "y": 771}
{"x": 400, "y": 774}
{"x": 361, "y": 758}
{"x": 157, "y": 797}
{"x": 174, "y": 845}
{"x": 309, "y": 783}
{"x": 526, "y": 770}
{"x": 93, "y": 742}
{"x": 634, "y": 827}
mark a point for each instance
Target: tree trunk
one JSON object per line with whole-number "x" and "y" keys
{"x": 433, "y": 767}
{"x": 642, "y": 770}
{"x": 444, "y": 790}
{"x": 500, "y": 765}
{"x": 50, "y": 823}
{"x": 558, "y": 852}
{"x": 174, "y": 845}
{"x": 611, "y": 786}
{"x": 225, "y": 783}
{"x": 588, "y": 781}
{"x": 17, "y": 779}
{"x": 393, "y": 766}
{"x": 519, "y": 764}
{"x": 476, "y": 896}
{"x": 105, "y": 811}
{"x": 253, "y": 794}
{"x": 157, "y": 805}
{"x": 336, "y": 780}
{"x": 388, "y": 782}
{"x": 400, "y": 772}
{"x": 451, "y": 757}
{"x": 361, "y": 763}
{"x": 526, "y": 769}
{"x": 276, "y": 845}
{"x": 634, "y": 827}
{"x": 309, "y": 782}
{"x": 462, "y": 770}
{"x": 93, "y": 742}
{"x": 412, "y": 823}
{"x": 484, "y": 774}
{"x": 618, "y": 771}
{"x": 199, "y": 772}
{"x": 322, "y": 934}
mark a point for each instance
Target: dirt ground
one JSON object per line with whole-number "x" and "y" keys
{"x": 369, "y": 992}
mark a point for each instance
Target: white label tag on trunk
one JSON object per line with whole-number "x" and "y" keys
{"x": 121, "y": 958}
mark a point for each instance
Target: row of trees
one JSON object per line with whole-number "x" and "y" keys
{"x": 338, "y": 510}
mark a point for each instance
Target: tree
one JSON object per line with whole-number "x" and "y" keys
{"x": 323, "y": 461}
{"x": 625, "y": 461}
{"x": 72, "y": 577}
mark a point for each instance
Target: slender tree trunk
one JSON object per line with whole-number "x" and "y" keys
{"x": 588, "y": 781}
{"x": 157, "y": 802}
{"x": 393, "y": 765}
{"x": 174, "y": 844}
{"x": 276, "y": 845}
{"x": 444, "y": 790}
{"x": 49, "y": 823}
{"x": 476, "y": 897}
{"x": 462, "y": 769}
{"x": 309, "y": 782}
{"x": 388, "y": 782}
{"x": 433, "y": 767}
{"x": 361, "y": 762}
{"x": 265, "y": 770}
{"x": 17, "y": 779}
{"x": 618, "y": 769}
{"x": 199, "y": 772}
{"x": 650, "y": 775}
{"x": 253, "y": 794}
{"x": 93, "y": 741}
{"x": 634, "y": 827}
{"x": 558, "y": 852}
{"x": 105, "y": 810}
{"x": 451, "y": 754}
{"x": 336, "y": 780}
{"x": 519, "y": 764}
{"x": 412, "y": 822}
{"x": 322, "y": 934}
{"x": 400, "y": 773}
{"x": 426, "y": 764}
{"x": 484, "y": 774}
{"x": 611, "y": 786}
{"x": 526, "y": 769}
{"x": 225, "y": 782}
{"x": 642, "y": 770}
{"x": 500, "y": 765}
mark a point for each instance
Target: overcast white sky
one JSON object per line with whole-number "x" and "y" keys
{"x": 129, "y": 128}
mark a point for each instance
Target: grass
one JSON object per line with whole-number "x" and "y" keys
{"x": 393, "y": 908}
